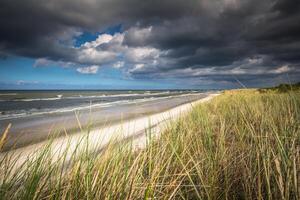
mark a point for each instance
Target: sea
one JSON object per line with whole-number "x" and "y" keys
{"x": 22, "y": 103}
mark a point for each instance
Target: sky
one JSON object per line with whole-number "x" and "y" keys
{"x": 157, "y": 44}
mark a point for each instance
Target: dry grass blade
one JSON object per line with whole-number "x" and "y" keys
{"x": 4, "y": 136}
{"x": 280, "y": 178}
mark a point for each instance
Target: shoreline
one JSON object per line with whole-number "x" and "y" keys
{"x": 133, "y": 130}
{"x": 36, "y": 129}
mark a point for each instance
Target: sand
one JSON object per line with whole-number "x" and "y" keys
{"x": 36, "y": 128}
{"x": 133, "y": 130}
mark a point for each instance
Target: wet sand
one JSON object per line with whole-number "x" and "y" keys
{"x": 33, "y": 129}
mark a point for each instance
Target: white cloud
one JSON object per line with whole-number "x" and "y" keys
{"x": 137, "y": 67}
{"x": 88, "y": 70}
{"x": 110, "y": 50}
{"x": 102, "y": 39}
{"x": 42, "y": 62}
{"x": 22, "y": 82}
{"x": 104, "y": 49}
{"x": 140, "y": 54}
{"x": 118, "y": 64}
{"x": 282, "y": 69}
{"x": 94, "y": 56}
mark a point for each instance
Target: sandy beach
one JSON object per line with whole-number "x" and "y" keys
{"x": 36, "y": 128}
{"x": 133, "y": 130}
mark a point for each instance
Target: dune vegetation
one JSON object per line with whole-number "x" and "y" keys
{"x": 244, "y": 144}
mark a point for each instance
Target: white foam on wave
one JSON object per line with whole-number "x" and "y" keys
{"x": 146, "y": 93}
{"x": 38, "y": 99}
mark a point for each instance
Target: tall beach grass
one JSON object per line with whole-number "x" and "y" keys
{"x": 241, "y": 145}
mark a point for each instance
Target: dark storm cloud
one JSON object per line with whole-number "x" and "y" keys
{"x": 245, "y": 29}
{"x": 25, "y": 23}
{"x": 241, "y": 30}
{"x": 45, "y": 28}
{"x": 213, "y": 40}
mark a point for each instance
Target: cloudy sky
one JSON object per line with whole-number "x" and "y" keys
{"x": 137, "y": 44}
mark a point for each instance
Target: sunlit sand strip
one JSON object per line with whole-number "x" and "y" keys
{"x": 134, "y": 130}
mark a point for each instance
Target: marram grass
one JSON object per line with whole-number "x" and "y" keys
{"x": 241, "y": 145}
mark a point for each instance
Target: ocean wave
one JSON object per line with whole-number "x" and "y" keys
{"x": 39, "y": 99}
{"x": 122, "y": 95}
{"x": 60, "y": 96}
{"x": 34, "y": 112}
